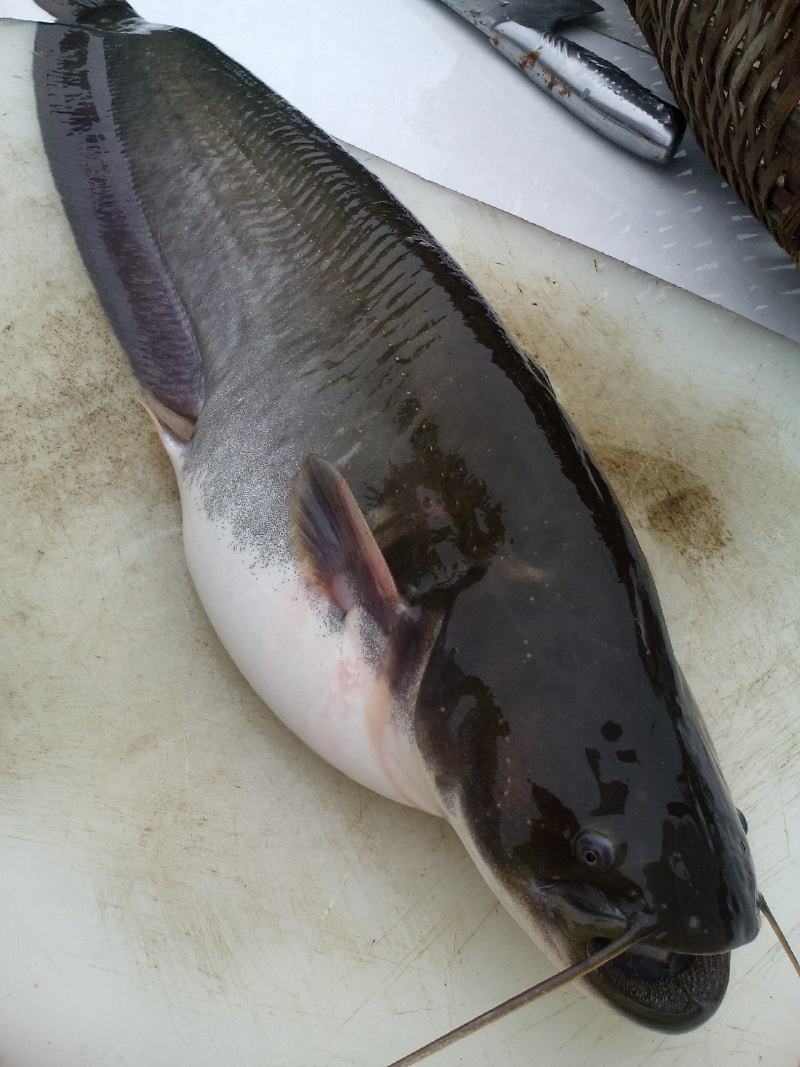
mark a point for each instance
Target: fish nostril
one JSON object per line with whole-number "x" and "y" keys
{"x": 693, "y": 922}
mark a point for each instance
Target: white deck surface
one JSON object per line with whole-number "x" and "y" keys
{"x": 182, "y": 881}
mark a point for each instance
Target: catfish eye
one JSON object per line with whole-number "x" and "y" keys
{"x": 594, "y": 850}
{"x": 742, "y": 819}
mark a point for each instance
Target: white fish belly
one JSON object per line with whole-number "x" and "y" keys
{"x": 313, "y": 674}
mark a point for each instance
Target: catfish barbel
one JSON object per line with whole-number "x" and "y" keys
{"x": 394, "y": 528}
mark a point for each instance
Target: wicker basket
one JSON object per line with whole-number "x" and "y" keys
{"x": 734, "y": 69}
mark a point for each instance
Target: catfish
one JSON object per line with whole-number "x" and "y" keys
{"x": 395, "y": 529}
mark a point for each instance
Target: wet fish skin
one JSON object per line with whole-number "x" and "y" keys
{"x": 514, "y": 671}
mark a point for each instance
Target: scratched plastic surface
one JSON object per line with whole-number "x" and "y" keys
{"x": 183, "y": 881}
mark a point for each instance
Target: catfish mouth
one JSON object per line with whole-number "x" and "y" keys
{"x": 669, "y": 991}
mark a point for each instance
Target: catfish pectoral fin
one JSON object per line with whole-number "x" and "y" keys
{"x": 334, "y": 547}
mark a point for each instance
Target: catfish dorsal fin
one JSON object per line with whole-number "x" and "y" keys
{"x": 334, "y": 547}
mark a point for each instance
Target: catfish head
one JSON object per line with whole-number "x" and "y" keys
{"x": 563, "y": 744}
{"x": 571, "y": 758}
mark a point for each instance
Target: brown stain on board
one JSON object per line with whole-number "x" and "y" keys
{"x": 71, "y": 433}
{"x": 677, "y": 506}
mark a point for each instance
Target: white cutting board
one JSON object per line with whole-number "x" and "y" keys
{"x": 182, "y": 881}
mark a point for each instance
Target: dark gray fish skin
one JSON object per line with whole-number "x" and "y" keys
{"x": 266, "y": 285}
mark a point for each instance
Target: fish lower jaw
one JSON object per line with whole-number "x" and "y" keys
{"x": 661, "y": 989}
